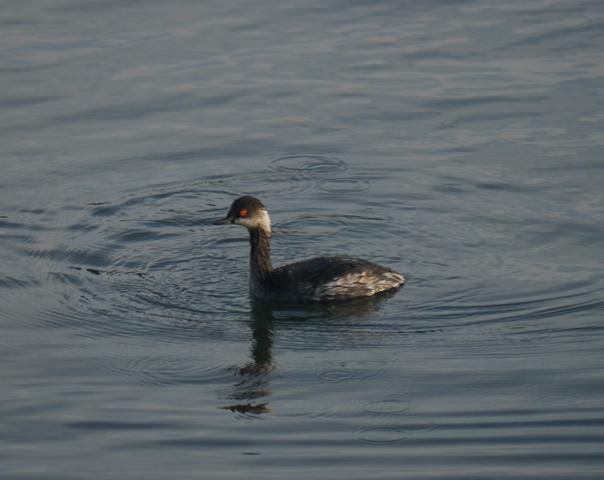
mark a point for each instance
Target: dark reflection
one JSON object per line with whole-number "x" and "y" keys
{"x": 261, "y": 323}
{"x": 253, "y": 383}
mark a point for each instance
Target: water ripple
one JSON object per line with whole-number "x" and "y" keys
{"x": 308, "y": 164}
{"x": 164, "y": 370}
{"x": 344, "y": 185}
{"x": 117, "y": 272}
{"x": 344, "y": 374}
{"x": 312, "y": 226}
{"x": 413, "y": 431}
{"x": 387, "y": 406}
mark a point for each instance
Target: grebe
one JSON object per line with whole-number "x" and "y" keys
{"x": 320, "y": 279}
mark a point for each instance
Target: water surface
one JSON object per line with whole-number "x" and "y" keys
{"x": 458, "y": 142}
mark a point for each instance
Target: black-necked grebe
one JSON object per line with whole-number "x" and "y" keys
{"x": 319, "y": 279}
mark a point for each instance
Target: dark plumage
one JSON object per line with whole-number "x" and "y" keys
{"x": 315, "y": 280}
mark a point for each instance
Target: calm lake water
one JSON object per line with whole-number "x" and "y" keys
{"x": 458, "y": 142}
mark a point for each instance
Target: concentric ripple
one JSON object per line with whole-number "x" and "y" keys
{"x": 308, "y": 164}
{"x": 135, "y": 267}
{"x": 344, "y": 185}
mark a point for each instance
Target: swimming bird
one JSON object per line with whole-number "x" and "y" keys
{"x": 320, "y": 279}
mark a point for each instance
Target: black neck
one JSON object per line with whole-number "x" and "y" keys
{"x": 260, "y": 258}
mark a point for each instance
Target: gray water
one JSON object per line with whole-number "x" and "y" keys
{"x": 458, "y": 142}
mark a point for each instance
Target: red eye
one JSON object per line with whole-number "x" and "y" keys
{"x": 243, "y": 213}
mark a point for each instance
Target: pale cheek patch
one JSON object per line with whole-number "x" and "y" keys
{"x": 259, "y": 219}
{"x": 246, "y": 222}
{"x": 264, "y": 221}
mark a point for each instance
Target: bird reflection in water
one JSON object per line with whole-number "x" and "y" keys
{"x": 253, "y": 383}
